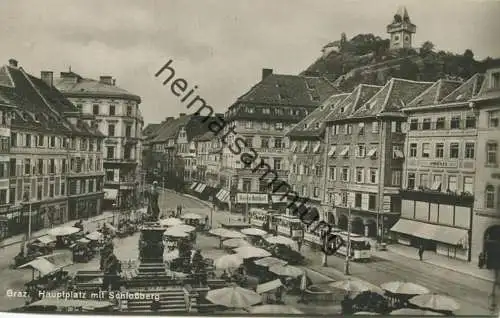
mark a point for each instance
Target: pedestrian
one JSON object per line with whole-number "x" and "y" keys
{"x": 421, "y": 251}
{"x": 299, "y": 243}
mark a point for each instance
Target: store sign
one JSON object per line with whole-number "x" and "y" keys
{"x": 279, "y": 198}
{"x": 440, "y": 164}
{"x": 252, "y": 198}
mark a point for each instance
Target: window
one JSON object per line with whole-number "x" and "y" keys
{"x": 493, "y": 119}
{"x": 111, "y": 130}
{"x": 344, "y": 198}
{"x": 318, "y": 170}
{"x": 40, "y": 166}
{"x": 266, "y": 111}
{"x": 316, "y": 192}
{"x": 332, "y": 175}
{"x": 411, "y": 180}
{"x": 375, "y": 127}
{"x": 40, "y": 140}
{"x": 112, "y": 110}
{"x": 110, "y": 152}
{"x": 12, "y": 195}
{"x": 397, "y": 152}
{"x": 469, "y": 150}
{"x": 413, "y": 150}
{"x": 361, "y": 151}
{"x": 248, "y": 124}
{"x": 249, "y": 141}
{"x": 440, "y": 150}
{"x": 264, "y": 142}
{"x": 426, "y": 150}
{"x": 277, "y": 164}
{"x": 263, "y": 186}
{"x": 470, "y": 122}
{"x": 345, "y": 174}
{"x": 265, "y": 126}
{"x": 304, "y": 191}
{"x": 278, "y": 144}
{"x": 278, "y": 126}
{"x": 440, "y": 122}
{"x": 455, "y": 122}
{"x": 129, "y": 110}
{"x": 359, "y": 175}
{"x": 436, "y": 182}
{"x": 52, "y": 166}
{"x": 95, "y": 109}
{"x": 372, "y": 202}
{"x": 13, "y": 139}
{"x": 495, "y": 80}
{"x": 63, "y": 188}
{"x": 468, "y": 185}
{"x": 454, "y": 150}
{"x": 27, "y": 167}
{"x": 491, "y": 153}
{"x": 452, "y": 183}
{"x": 396, "y": 127}
{"x": 28, "y": 141}
{"x": 396, "y": 177}
{"x": 357, "y": 200}
{"x": 490, "y": 197}
{"x": 51, "y": 190}
{"x": 424, "y": 180}
{"x": 52, "y": 142}
{"x": 426, "y": 125}
{"x": 348, "y": 129}
{"x": 413, "y": 124}
{"x": 128, "y": 131}
{"x": 110, "y": 175}
{"x": 13, "y": 166}
{"x": 361, "y": 130}
{"x": 63, "y": 166}
{"x": 373, "y": 175}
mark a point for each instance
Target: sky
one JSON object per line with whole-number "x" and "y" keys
{"x": 219, "y": 45}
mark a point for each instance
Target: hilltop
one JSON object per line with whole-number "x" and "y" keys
{"x": 366, "y": 58}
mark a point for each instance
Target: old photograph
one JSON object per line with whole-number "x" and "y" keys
{"x": 239, "y": 157}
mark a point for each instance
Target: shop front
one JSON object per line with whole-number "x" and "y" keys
{"x": 246, "y": 201}
{"x": 85, "y": 206}
{"x": 279, "y": 202}
{"x": 222, "y": 199}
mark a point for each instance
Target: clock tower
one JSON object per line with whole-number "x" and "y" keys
{"x": 401, "y": 30}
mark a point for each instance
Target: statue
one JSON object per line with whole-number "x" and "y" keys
{"x": 153, "y": 207}
{"x": 111, "y": 267}
{"x": 151, "y": 246}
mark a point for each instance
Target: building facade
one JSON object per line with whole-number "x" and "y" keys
{"x": 438, "y": 179}
{"x": 486, "y": 220}
{"x": 118, "y": 116}
{"x": 365, "y": 156}
{"x": 257, "y": 123}
{"x": 44, "y": 129}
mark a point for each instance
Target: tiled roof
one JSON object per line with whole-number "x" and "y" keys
{"x": 150, "y": 129}
{"x": 289, "y": 90}
{"x": 78, "y": 86}
{"x": 309, "y": 125}
{"x": 435, "y": 93}
{"x": 356, "y": 99}
{"x": 4, "y": 77}
{"x": 466, "y": 91}
{"x": 489, "y": 90}
{"x": 392, "y": 97}
{"x": 170, "y": 129}
{"x": 38, "y": 106}
{"x": 207, "y": 136}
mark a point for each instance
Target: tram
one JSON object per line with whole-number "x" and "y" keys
{"x": 290, "y": 226}
{"x": 312, "y": 234}
{"x": 258, "y": 217}
{"x": 360, "y": 246}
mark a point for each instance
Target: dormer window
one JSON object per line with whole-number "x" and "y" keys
{"x": 249, "y": 110}
{"x": 305, "y": 126}
{"x": 459, "y": 97}
{"x": 266, "y": 111}
{"x": 310, "y": 85}
{"x": 342, "y": 109}
{"x": 318, "y": 125}
{"x": 495, "y": 80}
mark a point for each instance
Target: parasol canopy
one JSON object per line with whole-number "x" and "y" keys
{"x": 225, "y": 233}
{"x": 356, "y": 286}
{"x": 63, "y": 231}
{"x": 46, "y": 239}
{"x": 404, "y": 288}
{"x": 290, "y": 271}
{"x": 253, "y": 231}
{"x": 275, "y": 310}
{"x": 192, "y": 216}
{"x": 235, "y": 242}
{"x": 41, "y": 265}
{"x": 183, "y": 228}
{"x": 172, "y": 232}
{"x": 171, "y": 222}
{"x": 234, "y": 297}
{"x": 170, "y": 256}
{"x": 435, "y": 302}
{"x": 66, "y": 303}
{"x": 270, "y": 261}
{"x": 251, "y": 252}
{"x": 282, "y": 240}
{"x": 228, "y": 262}
{"x": 414, "y": 312}
{"x": 366, "y": 313}
{"x": 94, "y": 236}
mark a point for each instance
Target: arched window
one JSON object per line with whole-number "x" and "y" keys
{"x": 490, "y": 197}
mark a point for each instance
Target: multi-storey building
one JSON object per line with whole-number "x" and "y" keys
{"x": 438, "y": 177}
{"x": 486, "y": 220}
{"x": 306, "y": 141}
{"x": 47, "y": 133}
{"x": 257, "y": 122}
{"x": 365, "y": 156}
{"x": 117, "y": 115}
{"x": 201, "y": 186}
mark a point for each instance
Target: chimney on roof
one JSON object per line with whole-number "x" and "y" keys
{"x": 169, "y": 119}
{"x": 182, "y": 114}
{"x": 47, "y": 77}
{"x": 266, "y": 72}
{"x": 114, "y": 82}
{"x": 105, "y": 79}
{"x": 13, "y": 62}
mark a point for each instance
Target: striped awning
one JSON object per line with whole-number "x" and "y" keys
{"x": 194, "y": 185}
{"x": 439, "y": 233}
{"x": 200, "y": 188}
{"x": 223, "y": 195}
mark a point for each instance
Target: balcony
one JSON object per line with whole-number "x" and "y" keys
{"x": 435, "y": 196}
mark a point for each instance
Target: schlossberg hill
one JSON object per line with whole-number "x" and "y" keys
{"x": 367, "y": 59}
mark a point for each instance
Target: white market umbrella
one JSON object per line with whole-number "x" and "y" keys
{"x": 435, "y": 302}
{"x": 290, "y": 271}
{"x": 234, "y": 297}
{"x": 170, "y": 256}
{"x": 235, "y": 242}
{"x": 94, "y": 236}
{"x": 283, "y": 241}
{"x": 254, "y": 232}
{"x": 175, "y": 233}
{"x": 404, "y": 288}
{"x": 63, "y": 231}
{"x": 251, "y": 252}
{"x": 270, "y": 261}
{"x": 171, "y": 222}
{"x": 366, "y": 313}
{"x": 183, "y": 228}
{"x": 356, "y": 286}
{"x": 228, "y": 262}
{"x": 192, "y": 216}
{"x": 414, "y": 312}
{"x": 275, "y": 310}
{"x": 225, "y": 233}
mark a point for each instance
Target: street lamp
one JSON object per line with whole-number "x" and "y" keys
{"x": 26, "y": 198}
{"x": 348, "y": 247}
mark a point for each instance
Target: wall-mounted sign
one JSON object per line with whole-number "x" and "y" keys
{"x": 440, "y": 164}
{"x": 252, "y": 198}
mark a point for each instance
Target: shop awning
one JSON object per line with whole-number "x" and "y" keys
{"x": 194, "y": 185}
{"x": 269, "y": 286}
{"x": 316, "y": 147}
{"x": 372, "y": 152}
{"x": 439, "y": 233}
{"x": 110, "y": 194}
{"x": 344, "y": 151}
{"x": 279, "y": 198}
{"x": 42, "y": 265}
{"x": 294, "y": 147}
{"x": 398, "y": 154}
{"x": 332, "y": 150}
{"x": 201, "y": 187}
{"x": 224, "y": 197}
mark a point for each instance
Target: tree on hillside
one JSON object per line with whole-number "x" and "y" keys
{"x": 409, "y": 70}
{"x": 426, "y": 48}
